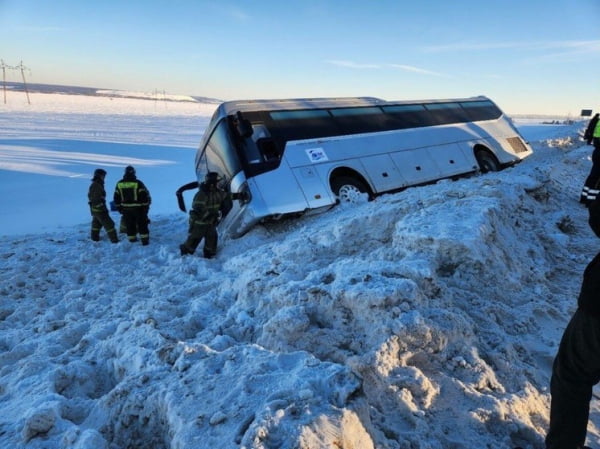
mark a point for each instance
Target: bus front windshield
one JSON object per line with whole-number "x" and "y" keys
{"x": 220, "y": 154}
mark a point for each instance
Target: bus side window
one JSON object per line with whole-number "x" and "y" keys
{"x": 268, "y": 149}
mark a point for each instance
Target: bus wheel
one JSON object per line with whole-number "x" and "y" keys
{"x": 487, "y": 162}
{"x": 350, "y": 190}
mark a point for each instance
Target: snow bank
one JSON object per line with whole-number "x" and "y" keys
{"x": 423, "y": 319}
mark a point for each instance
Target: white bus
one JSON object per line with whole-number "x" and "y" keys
{"x": 304, "y": 155}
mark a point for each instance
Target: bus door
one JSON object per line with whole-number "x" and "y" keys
{"x": 278, "y": 192}
{"x": 233, "y": 208}
{"x": 308, "y": 160}
{"x": 317, "y": 194}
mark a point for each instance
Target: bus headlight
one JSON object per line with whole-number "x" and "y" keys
{"x": 244, "y": 195}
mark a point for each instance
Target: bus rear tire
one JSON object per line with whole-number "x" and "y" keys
{"x": 350, "y": 190}
{"x": 487, "y": 162}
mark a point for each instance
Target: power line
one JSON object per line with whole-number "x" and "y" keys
{"x": 23, "y": 68}
{"x": 19, "y": 67}
{"x": 4, "y": 66}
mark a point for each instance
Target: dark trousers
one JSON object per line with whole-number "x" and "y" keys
{"x": 575, "y": 372}
{"x": 100, "y": 220}
{"x": 591, "y": 187}
{"x": 197, "y": 232}
{"x": 136, "y": 221}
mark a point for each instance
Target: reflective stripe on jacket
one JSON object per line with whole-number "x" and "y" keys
{"x": 207, "y": 204}
{"x": 131, "y": 193}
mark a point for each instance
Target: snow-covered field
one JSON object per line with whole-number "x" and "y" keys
{"x": 424, "y": 319}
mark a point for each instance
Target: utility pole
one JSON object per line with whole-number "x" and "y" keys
{"x": 3, "y": 77}
{"x": 22, "y": 67}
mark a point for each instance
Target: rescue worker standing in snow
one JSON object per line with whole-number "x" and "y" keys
{"x": 207, "y": 206}
{"x": 591, "y": 188}
{"x": 132, "y": 199}
{"x": 576, "y": 367}
{"x": 97, "y": 202}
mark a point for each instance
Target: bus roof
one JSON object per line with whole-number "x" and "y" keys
{"x": 231, "y": 107}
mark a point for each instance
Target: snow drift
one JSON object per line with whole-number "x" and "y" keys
{"x": 424, "y": 319}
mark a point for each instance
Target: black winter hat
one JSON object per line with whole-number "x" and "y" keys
{"x": 129, "y": 170}
{"x": 594, "y": 220}
{"x": 99, "y": 172}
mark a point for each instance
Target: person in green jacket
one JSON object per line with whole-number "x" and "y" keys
{"x": 97, "y": 202}
{"x": 207, "y": 206}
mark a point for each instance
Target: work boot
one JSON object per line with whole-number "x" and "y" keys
{"x": 184, "y": 250}
{"x": 145, "y": 241}
{"x": 112, "y": 235}
{"x": 95, "y": 235}
{"x": 208, "y": 255}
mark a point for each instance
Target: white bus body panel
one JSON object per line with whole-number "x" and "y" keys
{"x": 394, "y": 159}
{"x": 387, "y": 160}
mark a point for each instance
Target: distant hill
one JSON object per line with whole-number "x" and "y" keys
{"x": 549, "y": 119}
{"x": 94, "y": 91}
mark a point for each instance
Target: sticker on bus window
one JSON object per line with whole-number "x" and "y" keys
{"x": 317, "y": 155}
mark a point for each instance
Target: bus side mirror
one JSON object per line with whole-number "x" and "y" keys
{"x": 243, "y": 126}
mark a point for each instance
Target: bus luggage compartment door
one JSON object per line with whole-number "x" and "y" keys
{"x": 416, "y": 165}
{"x": 383, "y": 173}
{"x": 454, "y": 158}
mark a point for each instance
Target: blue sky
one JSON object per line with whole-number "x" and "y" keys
{"x": 530, "y": 56}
